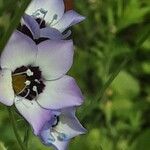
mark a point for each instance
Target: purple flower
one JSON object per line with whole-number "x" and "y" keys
{"x": 59, "y": 130}
{"x": 33, "y": 78}
{"x": 38, "y": 31}
{"x": 53, "y": 12}
{"x": 48, "y": 19}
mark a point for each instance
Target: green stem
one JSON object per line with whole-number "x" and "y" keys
{"x": 14, "y": 22}
{"x": 112, "y": 77}
{"x": 26, "y": 136}
{"x": 12, "y": 119}
{"x": 122, "y": 65}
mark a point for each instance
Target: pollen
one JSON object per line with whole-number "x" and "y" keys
{"x": 18, "y": 83}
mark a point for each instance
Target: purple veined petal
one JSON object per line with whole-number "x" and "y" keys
{"x": 6, "y": 89}
{"x": 51, "y": 33}
{"x": 69, "y": 124}
{"x": 69, "y": 18}
{"x": 50, "y": 10}
{"x": 19, "y": 51}
{"x": 60, "y": 93}
{"x": 33, "y": 26}
{"x": 55, "y": 58}
{"x": 33, "y": 113}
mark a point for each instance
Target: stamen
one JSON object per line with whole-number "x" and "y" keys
{"x": 28, "y": 92}
{"x": 51, "y": 138}
{"x": 35, "y": 90}
{"x": 29, "y": 73}
{"x": 27, "y": 82}
{"x": 22, "y": 90}
{"x": 20, "y": 73}
{"x": 60, "y": 136}
{"x": 36, "y": 80}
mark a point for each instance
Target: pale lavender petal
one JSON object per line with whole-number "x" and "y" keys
{"x": 6, "y": 89}
{"x": 51, "y": 33}
{"x": 69, "y": 124}
{"x": 60, "y": 145}
{"x": 19, "y": 51}
{"x": 51, "y": 140}
{"x": 67, "y": 128}
{"x": 33, "y": 113}
{"x": 55, "y": 58}
{"x": 50, "y": 10}
{"x": 32, "y": 25}
{"x": 60, "y": 93}
{"x": 69, "y": 18}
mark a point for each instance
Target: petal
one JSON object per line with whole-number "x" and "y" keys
{"x": 19, "y": 51}
{"x": 60, "y": 93}
{"x": 55, "y": 58}
{"x": 69, "y": 18}
{"x": 61, "y": 145}
{"x": 33, "y": 113}
{"x": 51, "y": 33}
{"x": 6, "y": 89}
{"x": 50, "y": 10}
{"x": 33, "y": 26}
{"x": 69, "y": 124}
{"x": 51, "y": 140}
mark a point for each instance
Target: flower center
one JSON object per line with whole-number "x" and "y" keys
{"x": 27, "y": 82}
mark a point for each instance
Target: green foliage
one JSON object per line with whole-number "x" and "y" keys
{"x": 2, "y": 147}
{"x": 112, "y": 32}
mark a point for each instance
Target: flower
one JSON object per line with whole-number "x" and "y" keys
{"x": 53, "y": 12}
{"x": 59, "y": 130}
{"x": 33, "y": 78}
{"x": 48, "y": 19}
{"x": 38, "y": 31}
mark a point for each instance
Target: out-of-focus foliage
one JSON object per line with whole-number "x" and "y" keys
{"x": 7, "y": 11}
{"x": 110, "y": 33}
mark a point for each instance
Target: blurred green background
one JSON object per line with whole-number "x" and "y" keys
{"x": 120, "y": 118}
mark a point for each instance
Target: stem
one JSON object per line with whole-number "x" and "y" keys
{"x": 112, "y": 77}
{"x": 15, "y": 21}
{"x": 122, "y": 65}
{"x": 12, "y": 119}
{"x": 26, "y": 136}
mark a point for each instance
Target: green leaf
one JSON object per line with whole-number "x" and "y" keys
{"x": 146, "y": 67}
{"x": 2, "y": 147}
{"x": 142, "y": 142}
{"x": 125, "y": 86}
{"x": 133, "y": 13}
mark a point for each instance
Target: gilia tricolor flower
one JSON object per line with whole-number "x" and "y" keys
{"x": 53, "y": 12}
{"x": 49, "y": 18}
{"x": 59, "y": 130}
{"x": 33, "y": 78}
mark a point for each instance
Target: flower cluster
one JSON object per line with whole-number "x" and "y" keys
{"x": 33, "y": 71}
